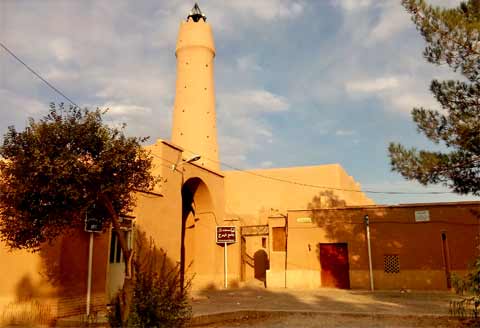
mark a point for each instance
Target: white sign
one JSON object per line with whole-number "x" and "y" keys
{"x": 304, "y": 220}
{"x": 422, "y": 216}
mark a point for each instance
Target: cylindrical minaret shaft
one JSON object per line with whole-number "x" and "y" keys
{"x": 194, "y": 119}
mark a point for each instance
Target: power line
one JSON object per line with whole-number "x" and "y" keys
{"x": 231, "y": 166}
{"x": 326, "y": 187}
{"x": 10, "y": 52}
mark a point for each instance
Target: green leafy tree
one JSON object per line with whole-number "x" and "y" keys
{"x": 453, "y": 39}
{"x": 62, "y": 166}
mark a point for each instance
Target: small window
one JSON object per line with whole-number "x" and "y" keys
{"x": 279, "y": 239}
{"x": 116, "y": 254}
{"x": 264, "y": 242}
{"x": 391, "y": 264}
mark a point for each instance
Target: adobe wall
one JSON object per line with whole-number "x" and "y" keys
{"x": 56, "y": 276}
{"x": 70, "y": 273}
{"x": 161, "y": 217}
{"x": 250, "y": 197}
{"x": 393, "y": 231}
{"x": 22, "y": 281}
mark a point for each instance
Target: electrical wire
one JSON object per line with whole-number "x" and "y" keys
{"x": 38, "y": 75}
{"x": 367, "y": 191}
{"x": 335, "y": 222}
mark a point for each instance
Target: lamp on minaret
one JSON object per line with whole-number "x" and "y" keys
{"x": 194, "y": 119}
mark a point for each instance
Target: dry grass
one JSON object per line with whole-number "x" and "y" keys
{"x": 26, "y": 314}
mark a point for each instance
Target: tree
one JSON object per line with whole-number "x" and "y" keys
{"x": 62, "y": 166}
{"x": 453, "y": 39}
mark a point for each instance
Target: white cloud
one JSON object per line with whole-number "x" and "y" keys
{"x": 248, "y": 63}
{"x": 350, "y": 5}
{"x": 62, "y": 49}
{"x": 371, "y": 85}
{"x": 343, "y": 133}
{"x": 393, "y": 19}
{"x": 242, "y": 129}
{"x": 266, "y": 9}
{"x": 126, "y": 110}
{"x": 404, "y": 103}
{"x": 397, "y": 93}
{"x": 251, "y": 101}
{"x": 266, "y": 164}
{"x": 13, "y": 103}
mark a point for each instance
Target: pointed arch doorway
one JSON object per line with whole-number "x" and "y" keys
{"x": 198, "y": 230}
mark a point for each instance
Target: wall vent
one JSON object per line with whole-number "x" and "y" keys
{"x": 391, "y": 264}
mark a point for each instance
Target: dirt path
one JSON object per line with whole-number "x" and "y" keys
{"x": 271, "y": 308}
{"x": 348, "y": 321}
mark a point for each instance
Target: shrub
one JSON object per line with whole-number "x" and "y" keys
{"x": 158, "y": 299}
{"x": 469, "y": 288}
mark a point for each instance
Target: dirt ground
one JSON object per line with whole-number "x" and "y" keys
{"x": 271, "y": 308}
{"x": 348, "y": 321}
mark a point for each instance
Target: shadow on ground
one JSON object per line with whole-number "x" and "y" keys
{"x": 210, "y": 301}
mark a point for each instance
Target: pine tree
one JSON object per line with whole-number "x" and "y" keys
{"x": 453, "y": 39}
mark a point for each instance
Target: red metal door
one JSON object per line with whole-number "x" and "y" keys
{"x": 334, "y": 265}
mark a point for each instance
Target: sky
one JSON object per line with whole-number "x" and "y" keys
{"x": 298, "y": 82}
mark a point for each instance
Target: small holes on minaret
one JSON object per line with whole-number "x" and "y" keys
{"x": 205, "y": 89}
{"x": 206, "y": 65}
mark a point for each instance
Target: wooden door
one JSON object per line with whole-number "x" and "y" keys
{"x": 334, "y": 265}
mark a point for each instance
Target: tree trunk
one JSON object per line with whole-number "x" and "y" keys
{"x": 127, "y": 291}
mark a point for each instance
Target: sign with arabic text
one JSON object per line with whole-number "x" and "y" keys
{"x": 226, "y": 235}
{"x": 422, "y": 216}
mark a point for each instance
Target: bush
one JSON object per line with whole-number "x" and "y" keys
{"x": 469, "y": 288}
{"x": 158, "y": 299}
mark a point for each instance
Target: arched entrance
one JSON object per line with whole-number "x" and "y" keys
{"x": 198, "y": 229}
{"x": 261, "y": 265}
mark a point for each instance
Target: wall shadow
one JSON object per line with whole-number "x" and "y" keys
{"x": 150, "y": 258}
{"x": 340, "y": 227}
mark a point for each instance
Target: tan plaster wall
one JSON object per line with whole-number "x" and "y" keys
{"x": 20, "y": 273}
{"x": 56, "y": 275}
{"x": 251, "y": 197}
{"x": 194, "y": 118}
{"x": 160, "y": 217}
{"x": 393, "y": 231}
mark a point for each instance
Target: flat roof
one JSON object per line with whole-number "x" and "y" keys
{"x": 359, "y": 207}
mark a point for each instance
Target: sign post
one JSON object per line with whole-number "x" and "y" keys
{"x": 226, "y": 235}
{"x": 92, "y": 225}
{"x": 225, "y": 265}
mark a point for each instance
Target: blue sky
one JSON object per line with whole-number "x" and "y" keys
{"x": 298, "y": 82}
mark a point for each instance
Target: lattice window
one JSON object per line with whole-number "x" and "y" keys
{"x": 391, "y": 264}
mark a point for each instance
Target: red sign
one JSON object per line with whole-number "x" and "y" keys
{"x": 226, "y": 235}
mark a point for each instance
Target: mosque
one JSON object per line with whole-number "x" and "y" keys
{"x": 296, "y": 227}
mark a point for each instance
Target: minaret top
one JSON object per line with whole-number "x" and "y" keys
{"x": 196, "y": 14}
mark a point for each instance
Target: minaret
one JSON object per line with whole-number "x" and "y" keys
{"x": 194, "y": 119}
